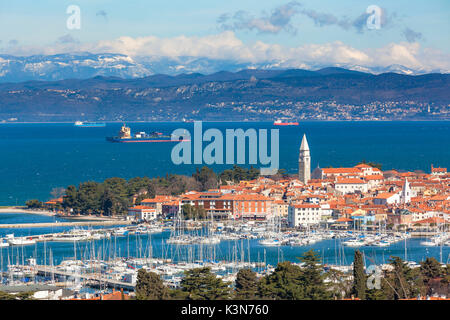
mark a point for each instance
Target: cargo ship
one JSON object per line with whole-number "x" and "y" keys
{"x": 281, "y": 123}
{"x": 126, "y": 136}
{"x": 89, "y": 124}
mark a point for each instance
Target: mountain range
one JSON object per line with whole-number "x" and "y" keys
{"x": 250, "y": 94}
{"x": 87, "y": 65}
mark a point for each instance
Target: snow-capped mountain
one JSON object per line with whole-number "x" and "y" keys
{"x": 67, "y": 66}
{"x": 87, "y": 65}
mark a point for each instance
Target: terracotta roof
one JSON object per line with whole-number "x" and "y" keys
{"x": 340, "y": 170}
{"x": 350, "y": 181}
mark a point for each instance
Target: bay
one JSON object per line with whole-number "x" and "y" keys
{"x": 35, "y": 158}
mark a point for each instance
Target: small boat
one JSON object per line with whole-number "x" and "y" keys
{"x": 382, "y": 243}
{"x": 270, "y": 242}
{"x": 354, "y": 243}
{"x": 281, "y": 123}
{"x": 429, "y": 243}
{"x": 89, "y": 124}
{"x": 120, "y": 232}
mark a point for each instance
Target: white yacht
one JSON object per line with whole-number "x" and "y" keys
{"x": 270, "y": 242}
{"x": 354, "y": 243}
{"x": 21, "y": 241}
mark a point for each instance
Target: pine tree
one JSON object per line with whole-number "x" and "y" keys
{"x": 246, "y": 285}
{"x": 313, "y": 277}
{"x": 359, "y": 276}
{"x": 201, "y": 284}
{"x": 149, "y": 286}
{"x": 285, "y": 283}
{"x": 403, "y": 281}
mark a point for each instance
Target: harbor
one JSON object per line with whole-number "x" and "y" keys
{"x": 104, "y": 258}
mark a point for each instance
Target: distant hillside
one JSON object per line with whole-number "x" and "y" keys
{"x": 244, "y": 95}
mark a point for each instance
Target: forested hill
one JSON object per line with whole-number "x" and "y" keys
{"x": 244, "y": 95}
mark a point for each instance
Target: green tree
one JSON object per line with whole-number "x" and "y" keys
{"x": 375, "y": 294}
{"x": 430, "y": 269}
{"x": 339, "y": 285}
{"x": 70, "y": 199}
{"x": 149, "y": 286}
{"x": 107, "y": 202}
{"x": 206, "y": 177}
{"x": 402, "y": 282}
{"x": 246, "y": 285}
{"x": 201, "y": 284}
{"x": 359, "y": 276}
{"x": 34, "y": 204}
{"x": 313, "y": 277}
{"x": 285, "y": 283}
{"x": 372, "y": 164}
{"x": 88, "y": 197}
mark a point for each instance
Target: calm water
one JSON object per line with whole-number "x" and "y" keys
{"x": 331, "y": 251}
{"x": 35, "y": 158}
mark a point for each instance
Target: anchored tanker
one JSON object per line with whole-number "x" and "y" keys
{"x": 126, "y": 136}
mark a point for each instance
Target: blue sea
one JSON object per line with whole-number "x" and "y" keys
{"x": 35, "y": 158}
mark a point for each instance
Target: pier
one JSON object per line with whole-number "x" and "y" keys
{"x": 89, "y": 278}
{"x": 64, "y": 224}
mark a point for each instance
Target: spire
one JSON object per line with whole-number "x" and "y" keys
{"x": 406, "y": 192}
{"x": 304, "y": 162}
{"x": 304, "y": 146}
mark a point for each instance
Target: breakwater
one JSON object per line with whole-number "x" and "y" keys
{"x": 64, "y": 224}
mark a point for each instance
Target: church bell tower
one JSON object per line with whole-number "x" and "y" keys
{"x": 304, "y": 162}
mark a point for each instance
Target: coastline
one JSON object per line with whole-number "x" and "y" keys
{"x": 22, "y": 210}
{"x": 54, "y": 214}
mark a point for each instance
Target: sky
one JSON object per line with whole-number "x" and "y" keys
{"x": 411, "y": 33}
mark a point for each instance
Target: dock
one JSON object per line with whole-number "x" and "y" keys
{"x": 91, "y": 278}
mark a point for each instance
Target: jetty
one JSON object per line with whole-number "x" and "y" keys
{"x": 65, "y": 224}
{"x": 92, "y": 279}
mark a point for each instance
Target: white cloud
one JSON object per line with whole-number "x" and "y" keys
{"x": 226, "y": 46}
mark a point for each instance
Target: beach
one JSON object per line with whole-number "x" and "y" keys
{"x": 54, "y": 214}
{"x": 24, "y": 210}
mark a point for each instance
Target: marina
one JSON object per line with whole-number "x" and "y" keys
{"x": 109, "y": 257}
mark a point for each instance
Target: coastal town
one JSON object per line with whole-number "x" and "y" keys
{"x": 356, "y": 207}
{"x": 338, "y": 198}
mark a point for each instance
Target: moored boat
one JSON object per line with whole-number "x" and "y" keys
{"x": 89, "y": 124}
{"x": 281, "y": 123}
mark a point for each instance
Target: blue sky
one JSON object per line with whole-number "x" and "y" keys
{"x": 34, "y": 26}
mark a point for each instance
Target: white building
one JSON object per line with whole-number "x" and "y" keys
{"x": 142, "y": 213}
{"x": 386, "y": 198}
{"x": 351, "y": 185}
{"x": 304, "y": 215}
